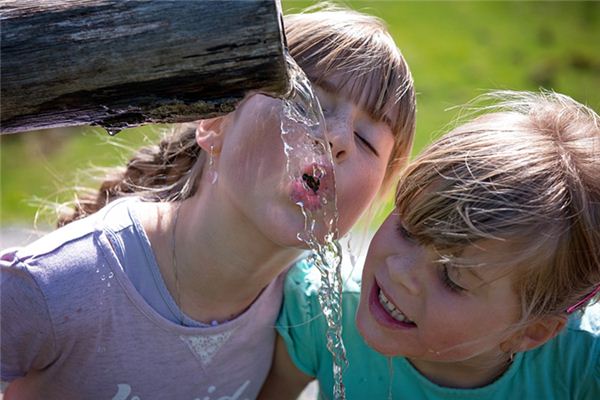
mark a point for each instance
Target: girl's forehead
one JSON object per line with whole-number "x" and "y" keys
{"x": 360, "y": 89}
{"x": 490, "y": 252}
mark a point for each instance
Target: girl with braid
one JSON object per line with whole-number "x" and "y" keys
{"x": 168, "y": 281}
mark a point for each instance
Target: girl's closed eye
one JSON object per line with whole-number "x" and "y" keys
{"x": 326, "y": 100}
{"x": 447, "y": 280}
{"x": 404, "y": 233}
{"x": 366, "y": 143}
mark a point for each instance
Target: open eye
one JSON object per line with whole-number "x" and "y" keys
{"x": 366, "y": 143}
{"x": 448, "y": 282}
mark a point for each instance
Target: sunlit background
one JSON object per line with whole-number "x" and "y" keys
{"x": 456, "y": 50}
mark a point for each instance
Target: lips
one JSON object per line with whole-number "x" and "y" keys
{"x": 312, "y": 188}
{"x": 387, "y": 313}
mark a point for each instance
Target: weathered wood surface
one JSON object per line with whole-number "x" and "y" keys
{"x": 122, "y": 63}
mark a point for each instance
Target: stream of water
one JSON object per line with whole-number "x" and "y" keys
{"x": 310, "y": 166}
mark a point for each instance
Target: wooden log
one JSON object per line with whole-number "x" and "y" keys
{"x": 121, "y": 63}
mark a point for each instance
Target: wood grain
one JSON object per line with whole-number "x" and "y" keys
{"x": 125, "y": 63}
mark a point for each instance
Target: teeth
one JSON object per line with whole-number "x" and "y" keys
{"x": 391, "y": 309}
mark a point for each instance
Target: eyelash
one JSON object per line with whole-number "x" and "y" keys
{"x": 444, "y": 276}
{"x": 403, "y": 232}
{"x": 362, "y": 140}
{"x": 367, "y": 144}
{"x": 449, "y": 283}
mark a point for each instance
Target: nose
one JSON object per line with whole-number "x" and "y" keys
{"x": 340, "y": 131}
{"x": 403, "y": 270}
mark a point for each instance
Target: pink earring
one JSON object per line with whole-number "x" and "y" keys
{"x": 212, "y": 171}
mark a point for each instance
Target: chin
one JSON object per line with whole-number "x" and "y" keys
{"x": 373, "y": 336}
{"x": 281, "y": 224}
{"x": 375, "y": 342}
{"x": 364, "y": 325}
{"x": 286, "y": 239}
{"x": 319, "y": 233}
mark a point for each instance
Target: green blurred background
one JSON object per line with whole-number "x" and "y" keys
{"x": 456, "y": 50}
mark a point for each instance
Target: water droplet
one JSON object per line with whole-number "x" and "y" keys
{"x": 112, "y": 130}
{"x": 391, "y": 374}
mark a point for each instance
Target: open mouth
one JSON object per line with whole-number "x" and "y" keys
{"x": 392, "y": 310}
{"x": 310, "y": 190}
{"x": 387, "y": 312}
{"x": 313, "y": 182}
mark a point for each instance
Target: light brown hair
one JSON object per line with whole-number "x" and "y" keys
{"x": 526, "y": 172}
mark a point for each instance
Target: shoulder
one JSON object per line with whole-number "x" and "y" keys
{"x": 571, "y": 360}
{"x": 72, "y": 244}
{"x": 52, "y": 254}
{"x": 582, "y": 341}
{"x": 575, "y": 345}
{"x": 300, "y": 294}
{"x": 302, "y": 310}
{"x": 302, "y": 285}
{"x": 65, "y": 261}
{"x": 304, "y": 277}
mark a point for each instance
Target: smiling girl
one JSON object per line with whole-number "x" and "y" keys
{"x": 169, "y": 283}
{"x": 473, "y": 286}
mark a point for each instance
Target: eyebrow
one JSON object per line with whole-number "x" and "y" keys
{"x": 333, "y": 89}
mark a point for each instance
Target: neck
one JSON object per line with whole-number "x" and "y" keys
{"x": 221, "y": 266}
{"x": 468, "y": 374}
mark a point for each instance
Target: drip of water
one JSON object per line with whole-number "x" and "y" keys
{"x": 310, "y": 167}
{"x": 390, "y": 361}
{"x": 112, "y": 131}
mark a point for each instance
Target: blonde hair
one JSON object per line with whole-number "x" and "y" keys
{"x": 528, "y": 173}
{"x": 323, "y": 43}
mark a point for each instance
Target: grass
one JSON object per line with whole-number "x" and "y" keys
{"x": 456, "y": 50}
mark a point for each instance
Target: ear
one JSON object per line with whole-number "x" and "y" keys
{"x": 535, "y": 334}
{"x": 209, "y": 134}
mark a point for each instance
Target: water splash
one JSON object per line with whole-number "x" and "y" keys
{"x": 310, "y": 166}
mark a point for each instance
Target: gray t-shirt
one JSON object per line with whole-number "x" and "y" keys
{"x": 140, "y": 265}
{"x": 75, "y": 327}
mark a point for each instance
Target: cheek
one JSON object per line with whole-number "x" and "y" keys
{"x": 468, "y": 329}
{"x": 374, "y": 337}
{"x": 256, "y": 151}
{"x": 356, "y": 190}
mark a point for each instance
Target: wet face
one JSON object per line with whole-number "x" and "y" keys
{"x": 252, "y": 165}
{"x": 414, "y": 306}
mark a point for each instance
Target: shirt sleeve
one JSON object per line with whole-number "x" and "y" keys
{"x": 301, "y": 323}
{"x": 25, "y": 327}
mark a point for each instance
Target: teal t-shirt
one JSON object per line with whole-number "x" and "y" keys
{"x": 567, "y": 367}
